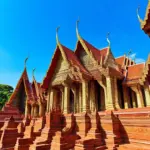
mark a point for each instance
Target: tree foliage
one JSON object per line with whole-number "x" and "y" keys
{"x": 5, "y": 92}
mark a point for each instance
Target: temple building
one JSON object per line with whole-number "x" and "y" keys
{"x": 28, "y": 98}
{"x": 88, "y": 100}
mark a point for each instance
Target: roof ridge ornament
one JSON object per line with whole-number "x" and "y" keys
{"x": 57, "y": 39}
{"x": 77, "y": 31}
{"x": 25, "y": 61}
{"x": 107, "y": 38}
{"x": 33, "y": 73}
{"x": 139, "y": 18}
{"x": 129, "y": 53}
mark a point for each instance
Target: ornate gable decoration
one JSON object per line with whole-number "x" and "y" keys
{"x": 146, "y": 71}
{"x": 145, "y": 24}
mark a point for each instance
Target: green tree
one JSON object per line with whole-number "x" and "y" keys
{"x": 5, "y": 92}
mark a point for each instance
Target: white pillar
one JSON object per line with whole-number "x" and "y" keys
{"x": 85, "y": 96}
{"x": 110, "y": 101}
{"x": 66, "y": 99}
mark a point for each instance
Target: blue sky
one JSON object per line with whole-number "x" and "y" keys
{"x": 28, "y": 26}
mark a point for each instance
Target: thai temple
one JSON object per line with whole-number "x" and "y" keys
{"x": 88, "y": 100}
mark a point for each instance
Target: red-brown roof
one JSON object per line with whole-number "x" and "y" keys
{"x": 115, "y": 72}
{"x": 23, "y": 80}
{"x": 135, "y": 72}
{"x": 71, "y": 57}
{"x": 120, "y": 60}
{"x": 96, "y": 52}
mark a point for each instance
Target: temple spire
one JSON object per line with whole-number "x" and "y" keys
{"x": 33, "y": 73}
{"x": 77, "y": 31}
{"x": 57, "y": 39}
{"x": 139, "y": 18}
{"x": 25, "y": 61}
{"x": 107, "y": 38}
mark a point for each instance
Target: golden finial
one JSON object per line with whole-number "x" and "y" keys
{"x": 129, "y": 53}
{"x": 77, "y": 31}
{"x": 33, "y": 72}
{"x": 107, "y": 38}
{"x": 139, "y": 18}
{"x": 57, "y": 39}
{"x": 25, "y": 62}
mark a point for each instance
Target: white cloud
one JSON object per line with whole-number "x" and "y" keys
{"x": 132, "y": 56}
{"x": 137, "y": 60}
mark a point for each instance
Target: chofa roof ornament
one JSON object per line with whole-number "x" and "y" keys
{"x": 77, "y": 31}
{"x": 139, "y": 18}
{"x": 25, "y": 61}
{"x": 107, "y": 38}
{"x": 33, "y": 72}
{"x": 57, "y": 39}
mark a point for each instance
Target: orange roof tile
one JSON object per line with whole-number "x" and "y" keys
{"x": 116, "y": 72}
{"x": 135, "y": 71}
{"x": 120, "y": 60}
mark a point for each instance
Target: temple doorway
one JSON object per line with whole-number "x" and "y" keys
{"x": 120, "y": 94}
{"x": 57, "y": 98}
{"x": 71, "y": 103}
{"x": 134, "y": 99}
{"x": 100, "y": 97}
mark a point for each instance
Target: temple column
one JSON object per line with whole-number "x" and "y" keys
{"x": 48, "y": 101}
{"x": 147, "y": 95}
{"x": 26, "y": 110}
{"x": 32, "y": 111}
{"x": 77, "y": 100}
{"x": 36, "y": 111}
{"x": 62, "y": 99}
{"x": 80, "y": 98}
{"x": 116, "y": 94}
{"x": 126, "y": 96}
{"x": 137, "y": 90}
{"x": 66, "y": 99}
{"x": 51, "y": 100}
{"x": 109, "y": 102}
{"x": 85, "y": 96}
{"x": 41, "y": 110}
{"x": 92, "y": 97}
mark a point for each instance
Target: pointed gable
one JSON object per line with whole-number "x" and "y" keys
{"x": 23, "y": 81}
{"x": 51, "y": 68}
{"x": 88, "y": 54}
{"x": 61, "y": 64}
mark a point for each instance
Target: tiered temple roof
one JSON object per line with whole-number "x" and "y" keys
{"x": 33, "y": 90}
{"x": 145, "y": 24}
